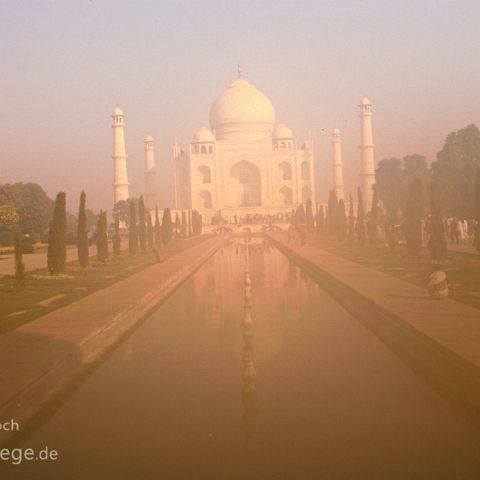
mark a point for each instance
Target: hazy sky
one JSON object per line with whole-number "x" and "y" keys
{"x": 66, "y": 64}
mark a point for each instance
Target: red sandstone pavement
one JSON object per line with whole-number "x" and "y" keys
{"x": 452, "y": 324}
{"x": 79, "y": 333}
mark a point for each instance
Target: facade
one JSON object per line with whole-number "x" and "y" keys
{"x": 244, "y": 164}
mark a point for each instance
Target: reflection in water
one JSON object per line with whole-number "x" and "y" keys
{"x": 249, "y": 391}
{"x": 333, "y": 401}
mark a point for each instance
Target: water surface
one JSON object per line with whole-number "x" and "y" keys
{"x": 329, "y": 400}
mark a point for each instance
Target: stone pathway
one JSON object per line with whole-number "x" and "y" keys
{"x": 41, "y": 358}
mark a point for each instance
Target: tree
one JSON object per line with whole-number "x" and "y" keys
{"x": 455, "y": 171}
{"x": 132, "y": 229}
{"x": 184, "y": 223}
{"x": 57, "y": 252}
{"x": 341, "y": 222}
{"x": 330, "y": 224}
{"x": 390, "y": 185}
{"x": 102, "y": 238}
{"x": 158, "y": 229}
{"x": 196, "y": 223}
{"x": 142, "y": 232}
{"x": 32, "y": 205}
{"x": 121, "y": 210}
{"x": 167, "y": 230}
{"x": 372, "y": 223}
{"x": 300, "y": 216}
{"x": 116, "y": 238}
{"x": 437, "y": 242}
{"x": 149, "y": 231}
{"x": 309, "y": 216}
{"x": 414, "y": 218}
{"x": 360, "y": 219}
{"x": 351, "y": 222}
{"x": 177, "y": 225}
{"x": 82, "y": 234}
{"x": 19, "y": 265}
{"x": 321, "y": 220}
{"x": 476, "y": 210}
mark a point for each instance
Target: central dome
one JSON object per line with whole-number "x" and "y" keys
{"x": 242, "y": 112}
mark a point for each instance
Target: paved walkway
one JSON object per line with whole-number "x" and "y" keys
{"x": 463, "y": 248}
{"x": 451, "y": 324}
{"x": 40, "y": 358}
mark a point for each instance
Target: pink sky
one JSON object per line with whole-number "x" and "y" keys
{"x": 65, "y": 67}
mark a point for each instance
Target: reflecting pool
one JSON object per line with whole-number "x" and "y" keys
{"x": 328, "y": 400}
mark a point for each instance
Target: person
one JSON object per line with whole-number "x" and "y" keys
{"x": 302, "y": 233}
{"x": 459, "y": 232}
{"x": 292, "y": 234}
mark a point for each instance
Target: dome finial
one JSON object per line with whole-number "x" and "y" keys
{"x": 239, "y": 71}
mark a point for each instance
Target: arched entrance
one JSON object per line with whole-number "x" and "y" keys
{"x": 245, "y": 185}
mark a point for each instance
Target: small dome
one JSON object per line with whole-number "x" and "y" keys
{"x": 118, "y": 111}
{"x": 282, "y": 132}
{"x": 203, "y": 135}
{"x": 149, "y": 138}
{"x": 365, "y": 101}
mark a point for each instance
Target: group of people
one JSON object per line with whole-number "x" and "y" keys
{"x": 461, "y": 230}
{"x": 256, "y": 219}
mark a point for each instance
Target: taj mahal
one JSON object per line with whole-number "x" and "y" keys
{"x": 245, "y": 163}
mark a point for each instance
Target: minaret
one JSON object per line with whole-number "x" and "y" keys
{"x": 120, "y": 180}
{"x": 337, "y": 164}
{"x": 367, "y": 168}
{"x": 150, "y": 175}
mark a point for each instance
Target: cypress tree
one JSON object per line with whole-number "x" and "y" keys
{"x": 102, "y": 238}
{"x": 331, "y": 219}
{"x": 437, "y": 242}
{"x": 372, "y": 224}
{"x": 189, "y": 218}
{"x": 309, "y": 217}
{"x": 177, "y": 225}
{"x": 19, "y": 265}
{"x": 300, "y": 216}
{"x": 167, "y": 229}
{"x": 414, "y": 217}
{"x": 197, "y": 223}
{"x": 351, "y": 222}
{"x": 116, "y": 238}
{"x": 321, "y": 220}
{"x": 149, "y": 231}
{"x": 341, "y": 222}
{"x": 158, "y": 230}
{"x": 82, "y": 235}
{"x": 184, "y": 223}
{"x": 360, "y": 219}
{"x": 132, "y": 229}
{"x": 476, "y": 211}
{"x": 142, "y": 232}
{"x": 57, "y": 251}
